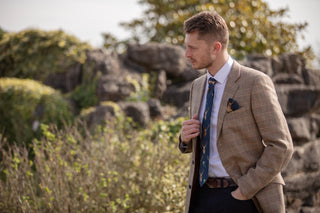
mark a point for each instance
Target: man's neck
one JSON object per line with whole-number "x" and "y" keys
{"x": 219, "y": 62}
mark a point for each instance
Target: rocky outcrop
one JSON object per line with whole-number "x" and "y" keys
{"x": 65, "y": 81}
{"x": 157, "y": 57}
{"x": 302, "y": 177}
{"x": 297, "y": 100}
{"x": 100, "y": 115}
{"x": 155, "y": 108}
{"x": 113, "y": 88}
{"x": 138, "y": 111}
{"x": 102, "y": 61}
{"x": 177, "y": 95}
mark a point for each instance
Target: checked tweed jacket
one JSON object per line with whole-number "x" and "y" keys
{"x": 253, "y": 141}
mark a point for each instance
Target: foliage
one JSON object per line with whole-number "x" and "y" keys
{"x": 35, "y": 53}
{"x": 144, "y": 88}
{"x": 254, "y": 27}
{"x": 84, "y": 95}
{"x": 112, "y": 44}
{"x": 141, "y": 90}
{"x": 118, "y": 169}
{"x": 25, "y": 104}
{"x": 2, "y": 32}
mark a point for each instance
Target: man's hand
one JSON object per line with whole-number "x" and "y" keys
{"x": 190, "y": 129}
{"x": 237, "y": 194}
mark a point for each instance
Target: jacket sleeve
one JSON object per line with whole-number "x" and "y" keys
{"x": 275, "y": 134}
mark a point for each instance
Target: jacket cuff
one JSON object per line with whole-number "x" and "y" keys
{"x": 182, "y": 146}
{"x": 247, "y": 189}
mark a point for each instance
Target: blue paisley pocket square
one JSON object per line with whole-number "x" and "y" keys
{"x": 232, "y": 105}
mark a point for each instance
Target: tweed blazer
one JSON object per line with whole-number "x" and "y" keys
{"x": 253, "y": 142}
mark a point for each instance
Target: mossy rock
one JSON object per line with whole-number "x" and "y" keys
{"x": 35, "y": 53}
{"x": 25, "y": 104}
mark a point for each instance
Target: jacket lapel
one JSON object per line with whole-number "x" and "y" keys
{"x": 198, "y": 90}
{"x": 229, "y": 91}
{"x": 197, "y": 95}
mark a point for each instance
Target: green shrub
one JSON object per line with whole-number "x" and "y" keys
{"x": 25, "y": 104}
{"x": 2, "y": 32}
{"x": 36, "y": 53}
{"x": 141, "y": 90}
{"x": 85, "y": 94}
{"x": 118, "y": 169}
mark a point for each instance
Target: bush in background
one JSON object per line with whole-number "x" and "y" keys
{"x": 25, "y": 104}
{"x": 117, "y": 169}
{"x": 36, "y": 53}
{"x": 2, "y": 32}
{"x": 85, "y": 94}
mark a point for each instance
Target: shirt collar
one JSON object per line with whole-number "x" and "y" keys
{"x": 222, "y": 74}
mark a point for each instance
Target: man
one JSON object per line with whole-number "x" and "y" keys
{"x": 237, "y": 133}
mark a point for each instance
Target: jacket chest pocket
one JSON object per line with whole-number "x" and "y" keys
{"x": 238, "y": 115}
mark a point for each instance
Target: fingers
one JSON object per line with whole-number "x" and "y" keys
{"x": 195, "y": 117}
{"x": 190, "y": 129}
{"x": 193, "y": 120}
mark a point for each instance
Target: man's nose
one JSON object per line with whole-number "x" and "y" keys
{"x": 187, "y": 53}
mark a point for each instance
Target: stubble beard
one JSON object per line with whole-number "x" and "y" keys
{"x": 205, "y": 65}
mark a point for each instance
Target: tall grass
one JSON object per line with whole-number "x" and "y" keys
{"x": 116, "y": 169}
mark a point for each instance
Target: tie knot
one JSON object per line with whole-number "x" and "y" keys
{"x": 212, "y": 81}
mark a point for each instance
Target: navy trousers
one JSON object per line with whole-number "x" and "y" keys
{"x": 220, "y": 200}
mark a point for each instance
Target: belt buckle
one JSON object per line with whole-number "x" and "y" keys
{"x": 211, "y": 184}
{"x": 218, "y": 183}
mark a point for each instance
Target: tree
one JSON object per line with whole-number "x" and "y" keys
{"x": 111, "y": 43}
{"x": 254, "y": 27}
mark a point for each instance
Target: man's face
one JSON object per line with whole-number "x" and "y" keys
{"x": 198, "y": 51}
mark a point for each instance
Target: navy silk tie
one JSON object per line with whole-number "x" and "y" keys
{"x": 205, "y": 145}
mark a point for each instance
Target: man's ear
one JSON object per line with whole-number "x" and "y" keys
{"x": 216, "y": 47}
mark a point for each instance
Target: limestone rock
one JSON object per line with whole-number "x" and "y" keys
{"x": 113, "y": 88}
{"x": 285, "y": 78}
{"x": 161, "y": 84}
{"x": 155, "y": 56}
{"x": 298, "y": 100}
{"x": 311, "y": 77}
{"x": 177, "y": 95}
{"x": 67, "y": 80}
{"x": 103, "y": 61}
{"x": 155, "y": 108}
{"x": 293, "y": 63}
{"x": 300, "y": 129}
{"x": 261, "y": 63}
{"x": 99, "y": 115}
{"x": 138, "y": 111}
{"x": 302, "y": 177}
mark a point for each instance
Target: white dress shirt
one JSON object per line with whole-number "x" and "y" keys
{"x": 216, "y": 168}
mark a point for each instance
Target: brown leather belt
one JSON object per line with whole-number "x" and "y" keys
{"x": 215, "y": 183}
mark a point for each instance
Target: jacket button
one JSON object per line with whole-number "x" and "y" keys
{"x": 189, "y": 186}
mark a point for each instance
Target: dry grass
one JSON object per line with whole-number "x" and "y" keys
{"x": 116, "y": 169}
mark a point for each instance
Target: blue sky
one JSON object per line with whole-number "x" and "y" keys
{"x": 87, "y": 19}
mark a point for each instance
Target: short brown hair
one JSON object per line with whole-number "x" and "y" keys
{"x": 208, "y": 23}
